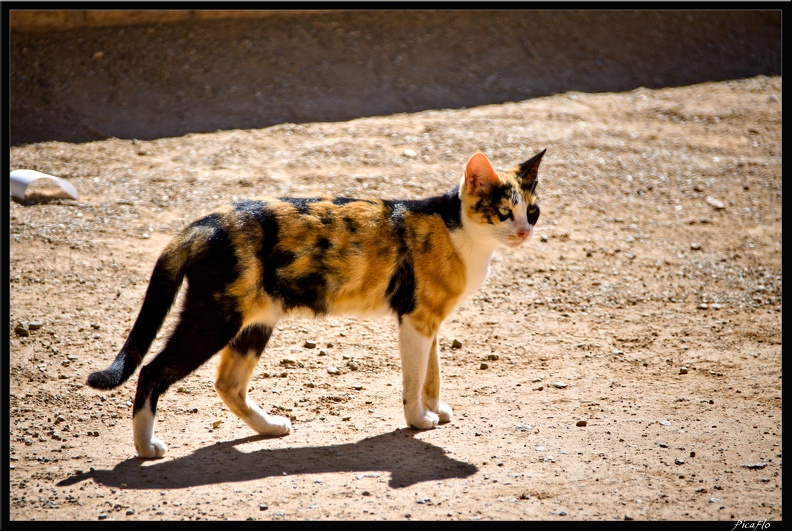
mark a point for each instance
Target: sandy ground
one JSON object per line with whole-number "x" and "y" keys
{"x": 625, "y": 364}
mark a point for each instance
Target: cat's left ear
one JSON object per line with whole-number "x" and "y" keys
{"x": 479, "y": 174}
{"x": 529, "y": 170}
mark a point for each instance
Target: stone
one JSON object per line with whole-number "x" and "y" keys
{"x": 715, "y": 203}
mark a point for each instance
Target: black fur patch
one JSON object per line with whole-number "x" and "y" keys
{"x": 301, "y": 203}
{"x": 350, "y": 224}
{"x": 215, "y": 267}
{"x": 253, "y": 338}
{"x": 401, "y": 286}
{"x": 489, "y": 204}
{"x": 341, "y": 201}
{"x": 533, "y": 214}
{"x": 448, "y": 207}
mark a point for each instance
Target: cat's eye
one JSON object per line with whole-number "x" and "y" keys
{"x": 505, "y": 212}
{"x": 533, "y": 214}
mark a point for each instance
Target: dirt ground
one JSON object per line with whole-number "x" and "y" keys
{"x": 625, "y": 364}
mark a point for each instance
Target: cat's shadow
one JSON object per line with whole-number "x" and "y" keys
{"x": 408, "y": 461}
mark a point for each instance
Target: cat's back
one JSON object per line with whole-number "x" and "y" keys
{"x": 329, "y": 255}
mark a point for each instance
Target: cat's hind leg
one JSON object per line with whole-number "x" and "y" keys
{"x": 431, "y": 389}
{"x": 237, "y": 361}
{"x": 198, "y": 335}
{"x": 414, "y": 347}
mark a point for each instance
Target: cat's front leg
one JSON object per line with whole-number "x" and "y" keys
{"x": 414, "y": 347}
{"x": 431, "y": 389}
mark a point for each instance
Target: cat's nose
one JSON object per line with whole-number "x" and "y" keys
{"x": 524, "y": 233}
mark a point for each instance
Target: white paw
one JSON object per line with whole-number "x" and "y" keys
{"x": 445, "y": 412}
{"x": 273, "y": 425}
{"x": 424, "y": 421}
{"x": 154, "y": 448}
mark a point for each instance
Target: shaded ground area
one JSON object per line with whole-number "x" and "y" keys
{"x": 169, "y": 79}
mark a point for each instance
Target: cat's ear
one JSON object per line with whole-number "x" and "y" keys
{"x": 529, "y": 170}
{"x": 479, "y": 173}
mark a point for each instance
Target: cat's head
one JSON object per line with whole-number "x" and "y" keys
{"x": 501, "y": 205}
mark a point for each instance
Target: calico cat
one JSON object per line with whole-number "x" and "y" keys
{"x": 252, "y": 262}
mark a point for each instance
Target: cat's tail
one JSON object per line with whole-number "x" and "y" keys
{"x": 161, "y": 292}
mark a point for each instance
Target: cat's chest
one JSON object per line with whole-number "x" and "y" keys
{"x": 477, "y": 265}
{"x": 476, "y": 274}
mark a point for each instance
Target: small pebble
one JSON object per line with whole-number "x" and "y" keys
{"x": 628, "y": 517}
{"x": 484, "y": 366}
{"x": 664, "y": 422}
{"x": 309, "y": 344}
{"x": 559, "y": 385}
{"x": 715, "y": 203}
{"x": 679, "y": 461}
{"x": 456, "y": 344}
{"x": 755, "y": 466}
{"x": 683, "y": 370}
{"x": 695, "y": 246}
{"x": 35, "y": 325}
{"x": 333, "y": 370}
{"x": 581, "y": 423}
